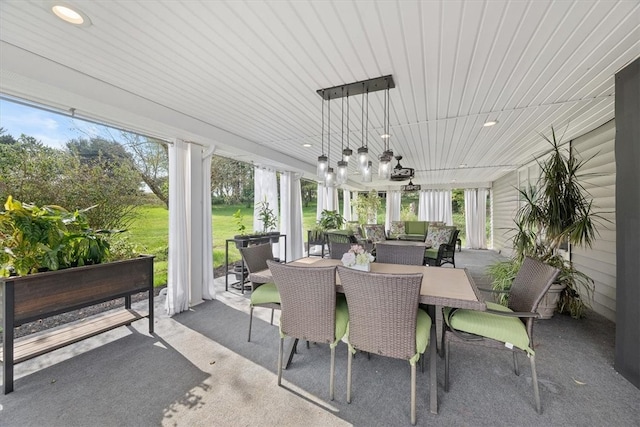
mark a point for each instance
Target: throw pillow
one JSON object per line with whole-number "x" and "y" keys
{"x": 397, "y": 229}
{"x": 375, "y": 232}
{"x": 438, "y": 235}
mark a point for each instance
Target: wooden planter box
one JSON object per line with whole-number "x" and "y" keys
{"x": 32, "y": 297}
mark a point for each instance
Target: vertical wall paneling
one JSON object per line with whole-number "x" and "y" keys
{"x": 504, "y": 202}
{"x": 598, "y": 176}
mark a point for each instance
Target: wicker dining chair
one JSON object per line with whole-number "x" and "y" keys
{"x": 262, "y": 294}
{"x": 311, "y": 310}
{"x": 400, "y": 254}
{"x": 337, "y": 249}
{"x": 384, "y": 319}
{"x": 501, "y": 327}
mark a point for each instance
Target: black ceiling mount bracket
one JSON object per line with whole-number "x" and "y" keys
{"x": 357, "y": 88}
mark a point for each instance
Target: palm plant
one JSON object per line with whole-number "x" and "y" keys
{"x": 556, "y": 211}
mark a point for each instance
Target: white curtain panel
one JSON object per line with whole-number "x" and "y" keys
{"x": 331, "y": 201}
{"x": 475, "y": 214}
{"x": 393, "y": 208}
{"x": 265, "y": 188}
{"x": 178, "y": 259}
{"x": 321, "y": 197}
{"x": 291, "y": 218}
{"x": 346, "y": 205}
{"x": 435, "y": 205}
{"x": 208, "y": 288}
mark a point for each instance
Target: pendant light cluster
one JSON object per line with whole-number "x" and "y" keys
{"x": 325, "y": 172}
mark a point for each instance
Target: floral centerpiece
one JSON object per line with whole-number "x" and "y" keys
{"x": 357, "y": 258}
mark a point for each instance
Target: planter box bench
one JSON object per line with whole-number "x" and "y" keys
{"x": 32, "y": 297}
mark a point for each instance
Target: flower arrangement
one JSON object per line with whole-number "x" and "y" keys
{"x": 357, "y": 257}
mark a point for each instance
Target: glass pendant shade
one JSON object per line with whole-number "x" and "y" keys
{"x": 363, "y": 158}
{"x": 330, "y": 178}
{"x": 366, "y": 173}
{"x": 384, "y": 168}
{"x": 323, "y": 163}
{"x": 341, "y": 176}
{"x": 346, "y": 154}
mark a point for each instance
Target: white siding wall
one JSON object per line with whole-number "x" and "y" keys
{"x": 599, "y": 262}
{"x": 504, "y": 204}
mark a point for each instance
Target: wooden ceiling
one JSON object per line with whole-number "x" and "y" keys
{"x": 243, "y": 75}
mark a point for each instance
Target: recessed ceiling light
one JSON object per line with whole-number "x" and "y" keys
{"x": 385, "y": 136}
{"x": 70, "y": 14}
{"x": 307, "y": 145}
{"x": 462, "y": 165}
{"x": 490, "y": 123}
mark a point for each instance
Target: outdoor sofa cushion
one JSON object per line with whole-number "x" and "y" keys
{"x": 375, "y": 232}
{"x": 438, "y": 235}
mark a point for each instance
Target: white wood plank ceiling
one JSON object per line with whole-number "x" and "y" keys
{"x": 243, "y": 75}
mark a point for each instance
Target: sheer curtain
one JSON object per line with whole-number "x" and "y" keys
{"x": 178, "y": 258}
{"x": 265, "y": 187}
{"x": 291, "y": 218}
{"x": 208, "y": 288}
{"x": 475, "y": 214}
{"x": 346, "y": 205}
{"x": 322, "y": 197}
{"x": 354, "y": 200}
{"x": 435, "y": 205}
{"x": 393, "y": 208}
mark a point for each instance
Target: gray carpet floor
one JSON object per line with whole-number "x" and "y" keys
{"x": 199, "y": 369}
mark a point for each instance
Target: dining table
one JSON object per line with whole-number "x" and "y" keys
{"x": 441, "y": 287}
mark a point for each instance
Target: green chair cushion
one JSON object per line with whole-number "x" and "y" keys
{"x": 500, "y": 328}
{"x": 342, "y": 318}
{"x": 431, "y": 253}
{"x": 423, "y": 329}
{"x": 265, "y": 294}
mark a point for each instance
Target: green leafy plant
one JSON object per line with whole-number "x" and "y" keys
{"x": 267, "y": 217}
{"x": 330, "y": 220}
{"x": 367, "y": 206}
{"x": 47, "y": 238}
{"x": 555, "y": 211}
{"x": 239, "y": 219}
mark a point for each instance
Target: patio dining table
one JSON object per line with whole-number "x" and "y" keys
{"x": 448, "y": 287}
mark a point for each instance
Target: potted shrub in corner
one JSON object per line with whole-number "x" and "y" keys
{"x": 557, "y": 211}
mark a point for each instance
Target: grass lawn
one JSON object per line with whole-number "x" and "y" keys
{"x": 150, "y": 233}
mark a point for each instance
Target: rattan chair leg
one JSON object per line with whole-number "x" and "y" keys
{"x": 413, "y": 394}
{"x": 332, "y": 372}
{"x": 250, "y": 322}
{"x": 446, "y": 365}
{"x": 349, "y": 363}
{"x": 516, "y": 368}
{"x": 272, "y": 310}
{"x": 280, "y": 361}
{"x": 534, "y": 377}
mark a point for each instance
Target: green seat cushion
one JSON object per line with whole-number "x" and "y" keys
{"x": 500, "y": 328}
{"x": 431, "y": 253}
{"x": 264, "y": 294}
{"x": 423, "y": 328}
{"x": 342, "y": 318}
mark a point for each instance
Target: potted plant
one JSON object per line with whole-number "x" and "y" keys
{"x": 242, "y": 238}
{"x": 557, "y": 211}
{"x": 269, "y": 221}
{"x": 367, "y": 207}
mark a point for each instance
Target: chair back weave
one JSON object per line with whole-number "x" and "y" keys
{"x": 256, "y": 257}
{"x": 531, "y": 283}
{"x": 307, "y": 301}
{"x": 336, "y": 249}
{"x": 400, "y": 254}
{"x": 382, "y": 311}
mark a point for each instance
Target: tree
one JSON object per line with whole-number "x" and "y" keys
{"x": 309, "y": 190}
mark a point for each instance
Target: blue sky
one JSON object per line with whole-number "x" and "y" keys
{"x": 51, "y": 129}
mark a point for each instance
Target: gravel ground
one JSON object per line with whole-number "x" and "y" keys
{"x": 61, "y": 319}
